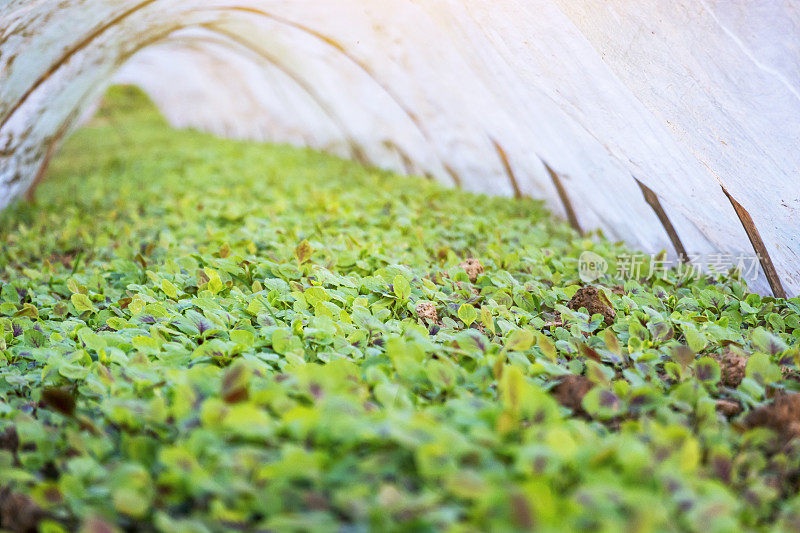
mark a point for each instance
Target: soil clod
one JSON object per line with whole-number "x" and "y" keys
{"x": 427, "y": 311}
{"x": 733, "y": 368}
{"x": 570, "y": 392}
{"x": 589, "y": 298}
{"x": 781, "y": 416}
{"x": 729, "y": 408}
{"x": 473, "y": 268}
{"x": 19, "y": 513}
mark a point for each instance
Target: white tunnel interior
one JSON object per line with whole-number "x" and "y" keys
{"x": 670, "y": 125}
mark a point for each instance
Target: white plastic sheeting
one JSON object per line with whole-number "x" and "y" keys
{"x": 671, "y": 125}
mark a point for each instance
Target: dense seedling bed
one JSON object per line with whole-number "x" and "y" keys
{"x": 203, "y": 335}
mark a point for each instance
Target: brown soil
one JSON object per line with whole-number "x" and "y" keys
{"x": 733, "y": 366}
{"x": 729, "y": 408}
{"x": 781, "y": 416}
{"x": 19, "y": 513}
{"x": 589, "y": 298}
{"x": 571, "y": 390}
{"x": 473, "y": 268}
{"x": 427, "y": 310}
